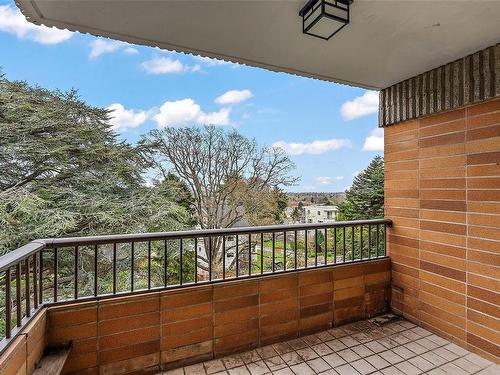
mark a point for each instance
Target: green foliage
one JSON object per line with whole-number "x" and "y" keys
{"x": 365, "y": 198}
{"x": 64, "y": 172}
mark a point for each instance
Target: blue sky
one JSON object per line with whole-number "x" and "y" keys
{"x": 329, "y": 130}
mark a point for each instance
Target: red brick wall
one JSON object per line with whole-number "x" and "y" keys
{"x": 132, "y": 334}
{"x": 442, "y": 189}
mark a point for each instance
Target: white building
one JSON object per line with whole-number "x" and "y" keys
{"x": 320, "y": 214}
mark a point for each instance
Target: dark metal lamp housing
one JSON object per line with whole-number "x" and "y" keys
{"x": 324, "y": 18}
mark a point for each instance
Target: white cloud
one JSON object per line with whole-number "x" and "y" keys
{"x": 101, "y": 46}
{"x": 12, "y": 21}
{"x": 234, "y": 96}
{"x": 131, "y": 51}
{"x": 314, "y": 148}
{"x": 123, "y": 119}
{"x": 354, "y": 174}
{"x": 165, "y": 65}
{"x": 212, "y": 62}
{"x": 326, "y": 180}
{"x": 375, "y": 141}
{"x": 187, "y": 112}
{"x": 360, "y": 106}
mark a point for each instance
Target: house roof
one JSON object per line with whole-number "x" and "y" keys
{"x": 386, "y": 41}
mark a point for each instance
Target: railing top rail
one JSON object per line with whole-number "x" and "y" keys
{"x": 12, "y": 258}
{"x": 115, "y": 238}
{"x": 33, "y": 247}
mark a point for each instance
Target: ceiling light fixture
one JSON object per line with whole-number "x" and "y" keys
{"x": 324, "y": 18}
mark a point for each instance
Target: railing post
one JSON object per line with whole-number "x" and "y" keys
{"x": 41, "y": 278}
{"x": 273, "y": 249}
{"x": 114, "y": 268}
{"x": 27, "y": 286}
{"x": 209, "y": 258}
{"x": 180, "y": 261}
{"x": 35, "y": 282}
{"x": 96, "y": 273}
{"x": 76, "y": 272}
{"x": 8, "y": 304}
{"x": 249, "y": 255}
{"x": 284, "y": 250}
{"x": 55, "y": 273}
{"x": 223, "y": 257}
{"x": 195, "y": 260}
{"x": 149, "y": 264}
{"x": 18, "y": 295}
{"x": 132, "y": 265}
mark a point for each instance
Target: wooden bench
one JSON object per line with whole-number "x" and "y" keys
{"x": 53, "y": 360}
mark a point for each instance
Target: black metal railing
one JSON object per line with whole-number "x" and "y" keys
{"x": 61, "y": 270}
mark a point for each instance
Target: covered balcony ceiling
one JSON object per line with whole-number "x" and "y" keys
{"x": 385, "y": 42}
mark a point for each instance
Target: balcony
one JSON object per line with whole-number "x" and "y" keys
{"x": 382, "y": 345}
{"x": 162, "y": 300}
{"x": 247, "y": 300}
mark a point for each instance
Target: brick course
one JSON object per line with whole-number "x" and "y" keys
{"x": 443, "y": 195}
{"x": 161, "y": 330}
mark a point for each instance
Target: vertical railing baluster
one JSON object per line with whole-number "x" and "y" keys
{"x": 27, "y": 297}
{"x": 361, "y": 241}
{"x": 369, "y": 241}
{"x": 56, "y": 266}
{"x": 180, "y": 261}
{"x": 343, "y": 244}
{"x": 261, "y": 253}
{"x": 352, "y": 243}
{"x": 35, "y": 282}
{"x": 75, "y": 295}
{"x": 316, "y": 243}
{"x": 223, "y": 257}
{"x": 385, "y": 240}
{"x": 114, "y": 268}
{"x": 249, "y": 255}
{"x": 274, "y": 250}
{"x": 8, "y": 304}
{"x": 132, "y": 265}
{"x": 196, "y": 260}
{"x": 40, "y": 274}
{"x": 284, "y": 251}
{"x": 305, "y": 248}
{"x": 326, "y": 247}
{"x": 19, "y": 310}
{"x": 165, "y": 263}
{"x": 95, "y": 271}
{"x": 295, "y": 248}
{"x": 335, "y": 245}
{"x": 209, "y": 258}
{"x": 237, "y": 257}
{"x": 377, "y": 238}
{"x": 149, "y": 264}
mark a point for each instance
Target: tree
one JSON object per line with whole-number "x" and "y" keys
{"x": 298, "y": 213}
{"x": 64, "y": 172}
{"x": 365, "y": 198}
{"x": 231, "y": 178}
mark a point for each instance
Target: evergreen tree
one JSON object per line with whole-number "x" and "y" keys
{"x": 365, "y": 198}
{"x": 64, "y": 172}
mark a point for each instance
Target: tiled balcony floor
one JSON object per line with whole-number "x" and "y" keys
{"x": 397, "y": 347}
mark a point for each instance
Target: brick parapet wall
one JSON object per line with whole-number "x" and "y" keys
{"x": 442, "y": 191}
{"x": 147, "y": 332}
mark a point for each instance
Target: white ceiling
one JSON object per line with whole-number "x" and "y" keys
{"x": 385, "y": 42}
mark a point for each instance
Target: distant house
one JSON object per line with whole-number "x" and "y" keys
{"x": 320, "y": 214}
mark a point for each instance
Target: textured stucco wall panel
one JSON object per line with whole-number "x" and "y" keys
{"x": 466, "y": 81}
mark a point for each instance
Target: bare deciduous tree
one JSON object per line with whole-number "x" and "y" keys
{"x": 231, "y": 178}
